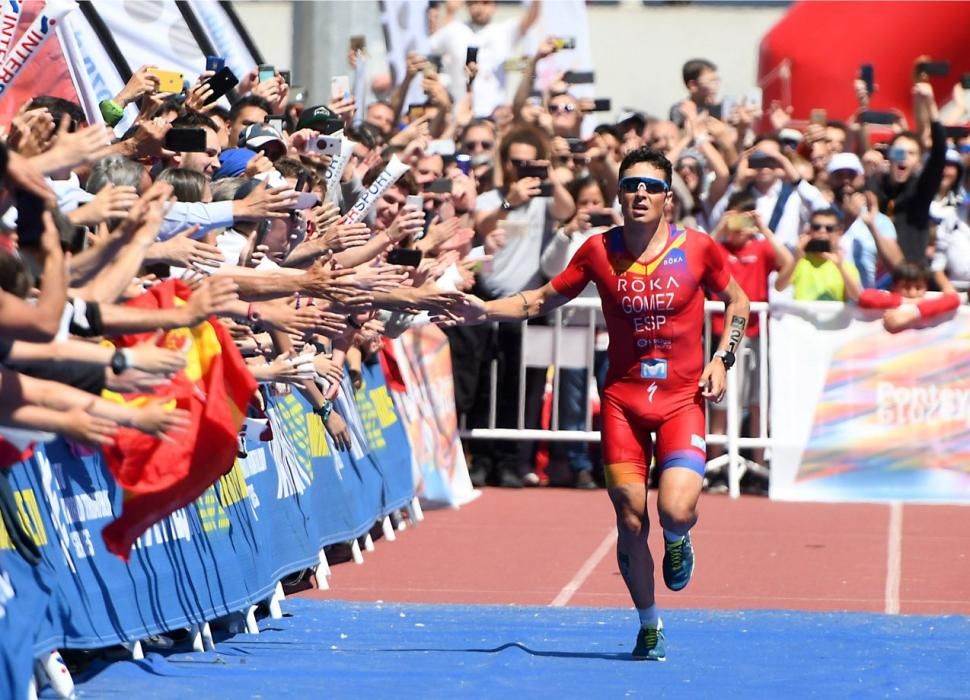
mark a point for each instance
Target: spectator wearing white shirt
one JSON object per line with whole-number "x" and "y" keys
{"x": 495, "y": 41}
{"x": 870, "y": 236}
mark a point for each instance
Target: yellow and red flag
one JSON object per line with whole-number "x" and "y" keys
{"x": 159, "y": 477}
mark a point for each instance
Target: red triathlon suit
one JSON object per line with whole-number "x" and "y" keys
{"x": 648, "y": 306}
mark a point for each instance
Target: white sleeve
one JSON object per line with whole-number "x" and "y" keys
{"x": 812, "y": 197}
{"x": 721, "y": 206}
{"x": 556, "y": 255}
{"x": 185, "y": 214}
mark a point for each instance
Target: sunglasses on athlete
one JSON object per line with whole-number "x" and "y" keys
{"x": 650, "y": 185}
{"x": 830, "y": 228}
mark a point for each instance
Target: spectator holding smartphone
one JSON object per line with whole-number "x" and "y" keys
{"x": 753, "y": 254}
{"x": 593, "y": 217}
{"x": 906, "y": 192}
{"x": 822, "y": 272}
{"x": 703, "y": 83}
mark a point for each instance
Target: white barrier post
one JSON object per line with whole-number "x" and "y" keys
{"x": 355, "y": 552}
{"x": 251, "y": 626}
{"x": 733, "y": 432}
{"x": 32, "y": 688}
{"x": 52, "y": 670}
{"x": 387, "y": 529}
{"x": 368, "y": 543}
{"x": 400, "y": 524}
{"x": 275, "y": 611}
{"x": 195, "y": 638}
{"x": 416, "y": 509}
{"x": 134, "y": 648}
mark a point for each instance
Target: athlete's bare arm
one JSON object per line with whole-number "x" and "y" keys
{"x": 736, "y": 310}
{"x": 517, "y": 307}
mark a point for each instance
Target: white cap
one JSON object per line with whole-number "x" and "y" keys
{"x": 845, "y": 161}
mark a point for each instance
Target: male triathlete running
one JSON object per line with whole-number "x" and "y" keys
{"x": 650, "y": 277}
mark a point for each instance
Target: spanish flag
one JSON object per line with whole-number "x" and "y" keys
{"x": 160, "y": 477}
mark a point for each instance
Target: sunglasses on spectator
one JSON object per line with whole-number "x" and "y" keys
{"x": 566, "y": 107}
{"x": 650, "y": 185}
{"x": 830, "y": 228}
{"x": 485, "y": 145}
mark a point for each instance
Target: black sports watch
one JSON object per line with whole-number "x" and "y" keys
{"x": 727, "y": 357}
{"x": 119, "y": 363}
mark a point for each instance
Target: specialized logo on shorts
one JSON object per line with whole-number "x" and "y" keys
{"x": 653, "y": 369}
{"x": 651, "y": 390}
{"x": 698, "y": 442}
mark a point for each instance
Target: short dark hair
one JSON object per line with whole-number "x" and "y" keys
{"x": 693, "y": 68}
{"x": 609, "y": 130}
{"x": 289, "y": 167}
{"x": 741, "y": 200}
{"x": 249, "y": 101}
{"x": 366, "y": 135}
{"x": 834, "y": 213}
{"x": 581, "y": 183}
{"x": 767, "y": 137}
{"x": 912, "y": 136}
{"x": 526, "y": 134}
{"x": 194, "y": 120}
{"x": 908, "y": 271}
{"x": 187, "y": 185}
{"x": 58, "y": 107}
{"x": 651, "y": 156}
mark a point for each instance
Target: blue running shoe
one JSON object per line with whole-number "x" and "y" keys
{"x": 678, "y": 563}
{"x": 650, "y": 644}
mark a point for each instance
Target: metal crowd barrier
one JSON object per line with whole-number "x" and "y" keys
{"x": 558, "y": 346}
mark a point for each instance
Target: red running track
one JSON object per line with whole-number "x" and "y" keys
{"x": 555, "y": 546}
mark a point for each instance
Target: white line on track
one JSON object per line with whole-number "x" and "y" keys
{"x": 569, "y": 590}
{"x": 894, "y": 557}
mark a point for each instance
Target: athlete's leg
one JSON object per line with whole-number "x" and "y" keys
{"x": 681, "y": 458}
{"x": 626, "y": 456}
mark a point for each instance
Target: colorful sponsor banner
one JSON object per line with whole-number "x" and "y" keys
{"x": 267, "y": 517}
{"x": 427, "y": 409}
{"x": 859, "y": 414}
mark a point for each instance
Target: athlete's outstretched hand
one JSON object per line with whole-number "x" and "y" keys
{"x": 713, "y": 380}
{"x": 469, "y": 312}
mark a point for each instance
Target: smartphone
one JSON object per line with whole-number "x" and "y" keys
{"x": 759, "y": 159}
{"x": 545, "y": 189}
{"x": 414, "y": 201}
{"x": 754, "y": 97}
{"x": 276, "y": 121}
{"x": 434, "y": 61}
{"x": 471, "y": 55}
{"x": 416, "y": 111}
{"x": 324, "y": 145}
{"x": 540, "y": 171}
{"x": 266, "y": 71}
{"x": 215, "y": 63}
{"x": 168, "y": 80}
{"x": 286, "y": 76}
{"x": 957, "y": 131}
{"x": 818, "y": 245}
{"x": 221, "y": 83}
{"x": 30, "y": 224}
{"x": 340, "y": 87}
{"x": 404, "y": 256}
{"x": 869, "y": 117}
{"x": 739, "y": 222}
{"x": 935, "y": 69}
{"x": 579, "y": 77}
{"x": 302, "y": 181}
{"x": 819, "y": 116}
{"x": 187, "y": 140}
{"x": 601, "y": 218}
{"x": 564, "y": 42}
{"x": 896, "y": 154}
{"x": 602, "y": 104}
{"x": 576, "y": 145}
{"x": 439, "y": 186}
{"x": 464, "y": 163}
{"x": 868, "y": 75}
{"x": 357, "y": 42}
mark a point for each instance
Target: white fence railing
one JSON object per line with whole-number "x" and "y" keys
{"x": 559, "y": 346}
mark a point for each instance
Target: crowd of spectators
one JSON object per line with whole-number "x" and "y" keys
{"x": 497, "y": 197}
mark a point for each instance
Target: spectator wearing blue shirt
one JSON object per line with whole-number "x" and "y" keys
{"x": 870, "y": 237}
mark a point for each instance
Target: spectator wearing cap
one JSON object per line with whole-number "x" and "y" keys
{"x": 951, "y": 253}
{"x": 249, "y": 110}
{"x": 205, "y": 162}
{"x": 233, "y": 162}
{"x": 264, "y": 139}
{"x": 869, "y": 240}
{"x": 320, "y": 118}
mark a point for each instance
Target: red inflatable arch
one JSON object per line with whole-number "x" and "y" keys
{"x": 825, "y": 42}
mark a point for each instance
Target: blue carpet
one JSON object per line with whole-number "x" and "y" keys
{"x": 351, "y": 650}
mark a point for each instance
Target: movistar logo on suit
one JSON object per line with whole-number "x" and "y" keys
{"x": 653, "y": 369}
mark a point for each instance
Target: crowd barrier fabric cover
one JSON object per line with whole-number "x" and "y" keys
{"x": 268, "y": 516}
{"x": 859, "y": 414}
